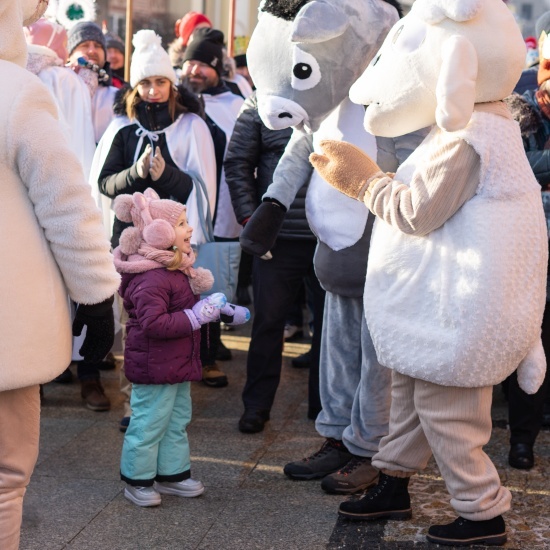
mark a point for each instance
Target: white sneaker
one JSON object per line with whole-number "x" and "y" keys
{"x": 142, "y": 496}
{"x": 188, "y": 488}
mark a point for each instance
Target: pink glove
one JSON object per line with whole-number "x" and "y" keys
{"x": 234, "y": 315}
{"x": 206, "y": 310}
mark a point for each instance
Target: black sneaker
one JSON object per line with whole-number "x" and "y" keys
{"x": 356, "y": 476}
{"x": 464, "y": 532}
{"x": 388, "y": 499}
{"x": 332, "y": 456}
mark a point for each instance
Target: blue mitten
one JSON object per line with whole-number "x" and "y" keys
{"x": 234, "y": 315}
{"x": 206, "y": 310}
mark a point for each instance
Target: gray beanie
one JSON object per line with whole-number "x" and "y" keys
{"x": 114, "y": 41}
{"x": 82, "y": 32}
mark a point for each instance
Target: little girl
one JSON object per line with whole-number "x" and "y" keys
{"x": 160, "y": 290}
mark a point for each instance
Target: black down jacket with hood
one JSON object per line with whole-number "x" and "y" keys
{"x": 252, "y": 156}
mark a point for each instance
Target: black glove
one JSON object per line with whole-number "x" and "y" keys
{"x": 100, "y": 329}
{"x": 260, "y": 232}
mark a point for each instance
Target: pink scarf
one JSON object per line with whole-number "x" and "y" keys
{"x": 147, "y": 258}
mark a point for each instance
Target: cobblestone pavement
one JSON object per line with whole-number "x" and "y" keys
{"x": 75, "y": 497}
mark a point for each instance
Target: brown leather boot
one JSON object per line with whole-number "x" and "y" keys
{"x": 213, "y": 376}
{"x": 92, "y": 392}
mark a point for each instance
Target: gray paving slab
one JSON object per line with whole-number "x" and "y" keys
{"x": 56, "y": 509}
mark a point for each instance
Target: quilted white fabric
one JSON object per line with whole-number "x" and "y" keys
{"x": 463, "y": 305}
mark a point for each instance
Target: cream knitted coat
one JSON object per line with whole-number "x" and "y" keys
{"x": 53, "y": 245}
{"x": 462, "y": 306}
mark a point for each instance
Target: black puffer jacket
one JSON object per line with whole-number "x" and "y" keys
{"x": 119, "y": 174}
{"x": 252, "y": 156}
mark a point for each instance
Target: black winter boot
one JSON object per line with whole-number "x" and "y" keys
{"x": 389, "y": 499}
{"x": 464, "y": 532}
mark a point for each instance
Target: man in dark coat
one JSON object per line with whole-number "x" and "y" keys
{"x": 253, "y": 154}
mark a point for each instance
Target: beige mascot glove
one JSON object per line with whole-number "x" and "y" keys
{"x": 345, "y": 167}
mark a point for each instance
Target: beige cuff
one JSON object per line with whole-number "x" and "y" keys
{"x": 371, "y": 182}
{"x": 397, "y": 473}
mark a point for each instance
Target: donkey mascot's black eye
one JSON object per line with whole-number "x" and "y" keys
{"x": 302, "y": 71}
{"x": 306, "y": 72}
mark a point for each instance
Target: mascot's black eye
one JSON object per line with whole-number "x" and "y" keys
{"x": 306, "y": 73}
{"x": 302, "y": 71}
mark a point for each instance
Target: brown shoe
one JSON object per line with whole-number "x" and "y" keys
{"x": 212, "y": 376}
{"x": 92, "y": 392}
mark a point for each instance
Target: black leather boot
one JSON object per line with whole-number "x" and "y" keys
{"x": 389, "y": 499}
{"x": 521, "y": 456}
{"x": 465, "y": 532}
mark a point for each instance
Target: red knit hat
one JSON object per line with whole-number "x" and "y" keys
{"x": 188, "y": 23}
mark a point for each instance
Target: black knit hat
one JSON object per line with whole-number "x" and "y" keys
{"x": 82, "y": 32}
{"x": 206, "y": 45}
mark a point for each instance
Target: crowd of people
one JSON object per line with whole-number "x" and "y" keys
{"x": 115, "y": 224}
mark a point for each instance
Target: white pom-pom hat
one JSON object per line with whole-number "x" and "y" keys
{"x": 149, "y": 58}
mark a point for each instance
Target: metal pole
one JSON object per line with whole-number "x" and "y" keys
{"x": 128, "y": 40}
{"x": 231, "y": 33}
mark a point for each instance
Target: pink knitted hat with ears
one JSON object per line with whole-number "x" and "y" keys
{"x": 154, "y": 220}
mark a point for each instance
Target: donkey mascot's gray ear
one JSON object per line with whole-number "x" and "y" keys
{"x": 319, "y": 21}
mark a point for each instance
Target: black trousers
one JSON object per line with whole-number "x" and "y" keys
{"x": 275, "y": 284}
{"x": 524, "y": 410}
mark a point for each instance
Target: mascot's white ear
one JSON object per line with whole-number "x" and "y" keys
{"x": 456, "y": 86}
{"x": 434, "y": 11}
{"x": 319, "y": 21}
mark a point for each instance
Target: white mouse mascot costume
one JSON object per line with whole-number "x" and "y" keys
{"x": 455, "y": 285}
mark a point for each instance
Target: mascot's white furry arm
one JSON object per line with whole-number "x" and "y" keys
{"x": 455, "y": 287}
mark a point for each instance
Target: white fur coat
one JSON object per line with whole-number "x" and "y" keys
{"x": 53, "y": 245}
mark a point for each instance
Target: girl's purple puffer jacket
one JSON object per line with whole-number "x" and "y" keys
{"x": 161, "y": 346}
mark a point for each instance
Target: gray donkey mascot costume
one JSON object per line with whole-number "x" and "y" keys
{"x": 303, "y": 57}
